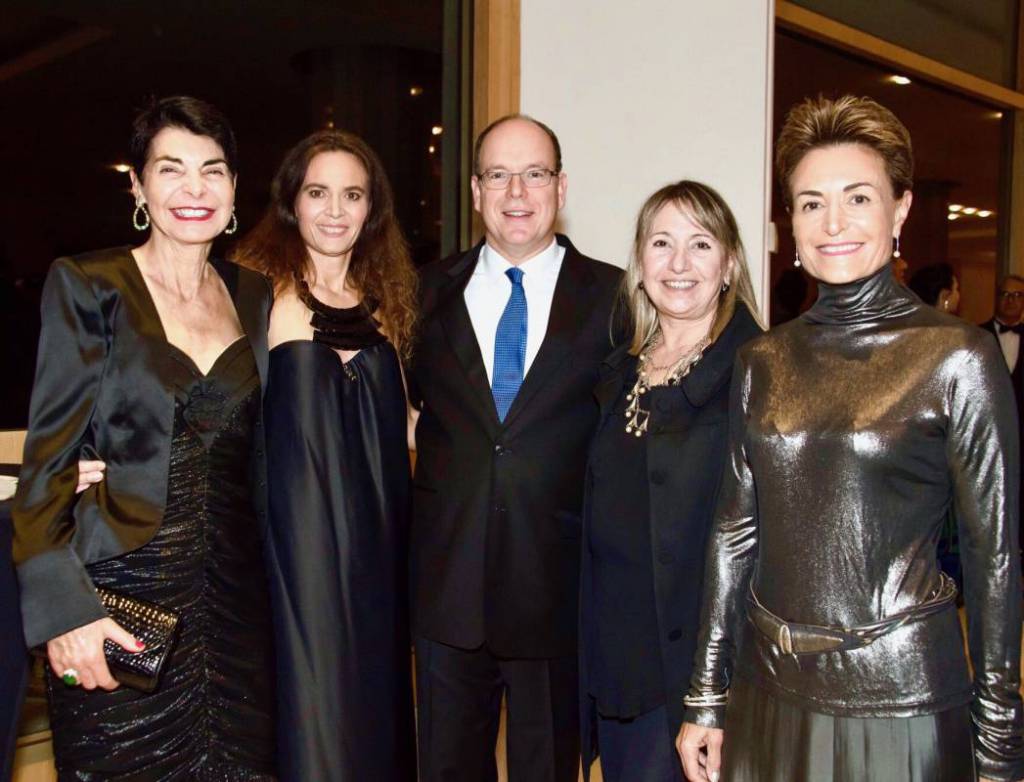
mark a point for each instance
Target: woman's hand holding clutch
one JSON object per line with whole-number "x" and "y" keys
{"x": 77, "y": 656}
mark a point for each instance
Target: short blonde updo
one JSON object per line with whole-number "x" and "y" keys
{"x": 821, "y": 122}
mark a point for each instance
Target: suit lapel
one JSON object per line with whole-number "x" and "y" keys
{"x": 613, "y": 375}
{"x": 569, "y": 308}
{"x": 458, "y": 328}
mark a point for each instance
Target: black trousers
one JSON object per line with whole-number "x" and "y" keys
{"x": 459, "y": 695}
{"x": 638, "y": 749}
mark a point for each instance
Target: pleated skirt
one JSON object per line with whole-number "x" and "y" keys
{"x": 771, "y": 740}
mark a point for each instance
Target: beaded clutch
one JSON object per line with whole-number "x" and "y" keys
{"x": 151, "y": 624}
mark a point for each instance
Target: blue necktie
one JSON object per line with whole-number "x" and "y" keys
{"x": 510, "y": 347}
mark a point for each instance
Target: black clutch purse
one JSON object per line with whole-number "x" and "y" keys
{"x": 154, "y": 626}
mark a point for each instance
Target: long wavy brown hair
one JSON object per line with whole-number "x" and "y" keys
{"x": 380, "y": 269}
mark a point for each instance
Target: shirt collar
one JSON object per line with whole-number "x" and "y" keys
{"x": 493, "y": 263}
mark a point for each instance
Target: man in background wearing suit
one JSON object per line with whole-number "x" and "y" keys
{"x": 1007, "y": 327}
{"x": 511, "y": 338}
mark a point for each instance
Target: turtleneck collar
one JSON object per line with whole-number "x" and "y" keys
{"x": 868, "y": 299}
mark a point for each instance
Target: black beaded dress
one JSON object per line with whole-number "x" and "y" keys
{"x": 211, "y": 715}
{"x": 339, "y": 505}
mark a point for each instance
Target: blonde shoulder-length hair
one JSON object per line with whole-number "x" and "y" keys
{"x": 707, "y": 209}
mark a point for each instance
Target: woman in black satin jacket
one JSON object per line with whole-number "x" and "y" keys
{"x": 155, "y": 358}
{"x": 652, "y": 477}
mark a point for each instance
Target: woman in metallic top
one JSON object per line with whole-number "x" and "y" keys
{"x": 830, "y": 646}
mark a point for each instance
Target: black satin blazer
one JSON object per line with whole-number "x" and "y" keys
{"x": 102, "y": 388}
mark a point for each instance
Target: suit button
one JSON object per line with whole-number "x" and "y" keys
{"x": 500, "y": 450}
{"x": 666, "y": 558}
{"x": 658, "y": 477}
{"x": 675, "y": 635}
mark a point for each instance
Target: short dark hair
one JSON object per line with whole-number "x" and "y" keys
{"x": 181, "y": 111}
{"x": 501, "y": 121}
{"x": 821, "y": 122}
{"x": 928, "y": 282}
{"x": 1016, "y": 277}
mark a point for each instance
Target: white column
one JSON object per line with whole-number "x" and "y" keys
{"x": 648, "y": 92}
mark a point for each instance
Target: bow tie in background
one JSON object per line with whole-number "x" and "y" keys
{"x": 1002, "y": 328}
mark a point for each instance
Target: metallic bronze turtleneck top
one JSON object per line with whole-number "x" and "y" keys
{"x": 855, "y": 429}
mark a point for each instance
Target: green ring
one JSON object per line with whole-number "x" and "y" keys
{"x": 69, "y": 679}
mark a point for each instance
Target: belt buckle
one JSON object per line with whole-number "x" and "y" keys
{"x": 785, "y": 639}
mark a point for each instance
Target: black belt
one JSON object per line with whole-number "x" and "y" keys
{"x": 793, "y": 638}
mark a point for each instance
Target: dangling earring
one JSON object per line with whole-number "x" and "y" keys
{"x": 896, "y": 252}
{"x": 233, "y": 226}
{"x": 725, "y": 287}
{"x": 796, "y": 260}
{"x": 140, "y": 207}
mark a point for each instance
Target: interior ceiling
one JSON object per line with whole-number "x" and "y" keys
{"x": 955, "y": 139}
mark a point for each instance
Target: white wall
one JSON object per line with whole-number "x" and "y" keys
{"x": 648, "y": 92}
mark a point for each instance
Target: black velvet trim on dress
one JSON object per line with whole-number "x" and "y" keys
{"x": 342, "y": 328}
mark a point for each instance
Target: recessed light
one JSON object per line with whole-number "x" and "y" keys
{"x": 415, "y": 90}
{"x": 437, "y": 130}
{"x": 952, "y": 216}
{"x": 984, "y": 212}
{"x": 431, "y": 149}
{"x": 955, "y": 207}
{"x": 121, "y": 168}
{"x": 900, "y": 80}
{"x": 969, "y": 210}
{"x": 994, "y": 115}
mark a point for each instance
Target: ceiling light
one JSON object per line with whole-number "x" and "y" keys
{"x": 952, "y": 216}
{"x": 436, "y": 130}
{"x": 984, "y": 212}
{"x": 121, "y": 168}
{"x": 969, "y": 210}
{"x": 415, "y": 90}
{"x": 955, "y": 207}
{"x": 994, "y": 115}
{"x": 431, "y": 149}
{"x": 900, "y": 80}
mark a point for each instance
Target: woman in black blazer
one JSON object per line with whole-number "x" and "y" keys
{"x": 652, "y": 478}
{"x": 154, "y": 357}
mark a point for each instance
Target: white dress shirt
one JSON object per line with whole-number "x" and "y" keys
{"x": 1009, "y": 341}
{"x": 487, "y": 294}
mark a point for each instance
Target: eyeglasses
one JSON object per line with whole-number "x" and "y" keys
{"x": 1012, "y": 295}
{"x": 496, "y": 179}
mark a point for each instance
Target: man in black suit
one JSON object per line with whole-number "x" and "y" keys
{"x": 1007, "y": 327}
{"x": 512, "y": 335}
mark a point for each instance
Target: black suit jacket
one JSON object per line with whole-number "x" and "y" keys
{"x": 1017, "y": 375}
{"x": 103, "y": 387}
{"x": 687, "y": 444}
{"x": 496, "y": 515}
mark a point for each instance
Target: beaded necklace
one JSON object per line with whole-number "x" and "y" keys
{"x": 636, "y": 416}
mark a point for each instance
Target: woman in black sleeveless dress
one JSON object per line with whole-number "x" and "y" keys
{"x": 338, "y": 456}
{"x": 126, "y": 337}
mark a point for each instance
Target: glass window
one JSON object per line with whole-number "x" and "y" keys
{"x": 978, "y": 37}
{"x": 74, "y": 74}
{"x": 959, "y": 160}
